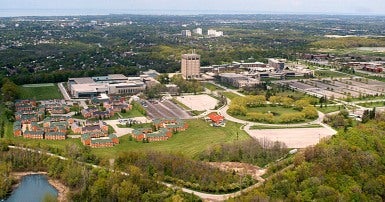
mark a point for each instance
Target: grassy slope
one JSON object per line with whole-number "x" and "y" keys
{"x": 198, "y": 137}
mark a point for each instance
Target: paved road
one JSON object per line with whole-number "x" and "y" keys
{"x": 124, "y": 131}
{"x": 63, "y": 91}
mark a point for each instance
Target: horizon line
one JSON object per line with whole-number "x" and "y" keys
{"x": 169, "y": 12}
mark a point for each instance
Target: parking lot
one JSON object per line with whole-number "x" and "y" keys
{"x": 338, "y": 88}
{"x": 165, "y": 109}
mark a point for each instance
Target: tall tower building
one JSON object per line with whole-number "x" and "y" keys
{"x": 190, "y": 66}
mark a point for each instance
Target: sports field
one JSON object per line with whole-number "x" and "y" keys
{"x": 44, "y": 91}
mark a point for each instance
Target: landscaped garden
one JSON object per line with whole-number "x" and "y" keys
{"x": 277, "y": 109}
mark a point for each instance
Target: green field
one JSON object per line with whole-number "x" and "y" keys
{"x": 212, "y": 87}
{"x": 329, "y": 109}
{"x": 230, "y": 95}
{"x": 130, "y": 113}
{"x": 197, "y": 138}
{"x": 372, "y": 104}
{"x": 40, "y": 92}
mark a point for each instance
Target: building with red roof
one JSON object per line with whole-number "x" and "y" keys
{"x": 216, "y": 119}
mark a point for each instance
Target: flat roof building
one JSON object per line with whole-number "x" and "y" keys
{"x": 88, "y": 87}
{"x": 88, "y": 90}
{"x": 278, "y": 64}
{"x": 238, "y": 80}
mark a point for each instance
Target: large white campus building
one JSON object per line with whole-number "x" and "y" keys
{"x": 89, "y": 87}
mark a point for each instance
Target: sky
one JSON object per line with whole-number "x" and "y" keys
{"x": 359, "y": 7}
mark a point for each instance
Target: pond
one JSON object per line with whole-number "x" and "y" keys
{"x": 33, "y": 188}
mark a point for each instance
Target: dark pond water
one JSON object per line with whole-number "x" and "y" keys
{"x": 32, "y": 188}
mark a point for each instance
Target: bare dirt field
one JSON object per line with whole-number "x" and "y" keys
{"x": 293, "y": 137}
{"x": 198, "y": 102}
{"x": 242, "y": 168}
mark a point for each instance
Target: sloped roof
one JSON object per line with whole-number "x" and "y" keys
{"x": 216, "y": 117}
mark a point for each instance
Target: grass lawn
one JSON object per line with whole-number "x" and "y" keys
{"x": 230, "y": 95}
{"x": 40, "y": 92}
{"x": 329, "y": 109}
{"x": 131, "y": 113}
{"x": 372, "y": 104}
{"x": 197, "y": 138}
{"x": 261, "y": 127}
{"x": 212, "y": 87}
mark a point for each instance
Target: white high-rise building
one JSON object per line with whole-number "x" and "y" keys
{"x": 211, "y": 32}
{"x": 214, "y": 33}
{"x": 198, "y": 31}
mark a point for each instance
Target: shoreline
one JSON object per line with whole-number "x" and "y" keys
{"x": 60, "y": 187}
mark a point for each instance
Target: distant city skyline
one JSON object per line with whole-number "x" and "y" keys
{"x": 85, "y": 7}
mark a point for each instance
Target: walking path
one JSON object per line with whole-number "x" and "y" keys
{"x": 63, "y": 91}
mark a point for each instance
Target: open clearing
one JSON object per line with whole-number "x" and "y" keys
{"x": 293, "y": 137}
{"x": 198, "y": 102}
